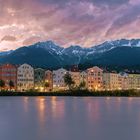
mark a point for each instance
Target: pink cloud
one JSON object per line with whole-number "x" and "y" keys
{"x": 83, "y": 22}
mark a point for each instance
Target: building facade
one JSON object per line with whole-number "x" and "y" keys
{"x": 25, "y": 77}
{"x": 58, "y": 79}
{"x": 110, "y": 81}
{"x": 39, "y": 79}
{"x": 133, "y": 81}
{"x": 48, "y": 80}
{"x": 76, "y": 78}
{"x": 95, "y": 78}
{"x": 8, "y": 73}
{"x": 84, "y": 78}
{"x": 123, "y": 81}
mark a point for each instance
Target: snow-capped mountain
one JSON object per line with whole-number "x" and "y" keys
{"x": 109, "y": 45}
{"x": 49, "y": 46}
{"x": 50, "y": 55}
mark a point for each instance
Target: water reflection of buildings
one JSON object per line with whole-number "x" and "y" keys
{"x": 130, "y": 101}
{"x": 75, "y": 104}
{"x": 41, "y": 111}
{"x": 53, "y": 107}
{"x": 97, "y": 108}
{"x": 118, "y": 104}
{"x": 41, "y": 106}
{"x": 26, "y": 103}
{"x": 111, "y": 103}
{"x": 57, "y": 108}
{"x": 93, "y": 110}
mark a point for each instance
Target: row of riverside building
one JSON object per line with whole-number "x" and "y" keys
{"x": 24, "y": 77}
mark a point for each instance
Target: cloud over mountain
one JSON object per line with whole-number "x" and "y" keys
{"x": 82, "y": 22}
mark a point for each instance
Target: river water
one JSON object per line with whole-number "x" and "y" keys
{"x": 69, "y": 118}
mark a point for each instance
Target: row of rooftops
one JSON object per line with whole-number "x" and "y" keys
{"x": 75, "y": 68}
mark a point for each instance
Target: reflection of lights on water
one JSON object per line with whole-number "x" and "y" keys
{"x": 53, "y": 102}
{"x": 130, "y": 103}
{"x": 41, "y": 104}
{"x": 41, "y": 108}
{"x": 119, "y": 98}
{"x": 26, "y": 99}
{"x": 41, "y": 111}
{"x": 53, "y": 99}
{"x": 130, "y": 98}
{"x": 57, "y": 108}
{"x": 42, "y": 99}
{"x": 93, "y": 111}
{"x": 108, "y": 98}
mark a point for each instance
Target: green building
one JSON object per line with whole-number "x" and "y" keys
{"x": 39, "y": 79}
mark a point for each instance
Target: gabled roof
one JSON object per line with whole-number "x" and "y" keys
{"x": 95, "y": 67}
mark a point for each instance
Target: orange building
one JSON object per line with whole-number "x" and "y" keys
{"x": 95, "y": 78}
{"x": 8, "y": 73}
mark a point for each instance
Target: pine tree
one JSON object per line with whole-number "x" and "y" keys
{"x": 11, "y": 84}
{"x": 68, "y": 80}
{"x": 2, "y": 84}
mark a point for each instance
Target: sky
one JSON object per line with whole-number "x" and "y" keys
{"x": 67, "y": 22}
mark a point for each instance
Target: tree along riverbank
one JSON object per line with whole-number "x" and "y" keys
{"x": 119, "y": 93}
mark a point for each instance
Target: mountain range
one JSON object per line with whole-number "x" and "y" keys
{"x": 47, "y": 54}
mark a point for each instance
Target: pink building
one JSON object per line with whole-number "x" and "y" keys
{"x": 95, "y": 78}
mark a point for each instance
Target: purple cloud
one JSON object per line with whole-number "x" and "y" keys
{"x": 82, "y": 22}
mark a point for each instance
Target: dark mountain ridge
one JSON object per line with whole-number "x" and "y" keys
{"x": 50, "y": 55}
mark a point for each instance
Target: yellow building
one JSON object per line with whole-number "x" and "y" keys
{"x": 110, "y": 81}
{"x": 134, "y": 81}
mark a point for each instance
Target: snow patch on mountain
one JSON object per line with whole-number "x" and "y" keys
{"x": 138, "y": 45}
{"x": 79, "y": 52}
{"x": 49, "y": 46}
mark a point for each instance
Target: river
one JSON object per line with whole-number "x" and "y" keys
{"x": 69, "y": 118}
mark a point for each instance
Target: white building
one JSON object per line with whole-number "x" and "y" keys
{"x": 58, "y": 79}
{"x": 25, "y": 77}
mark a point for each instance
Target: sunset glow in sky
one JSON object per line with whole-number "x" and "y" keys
{"x": 67, "y": 22}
